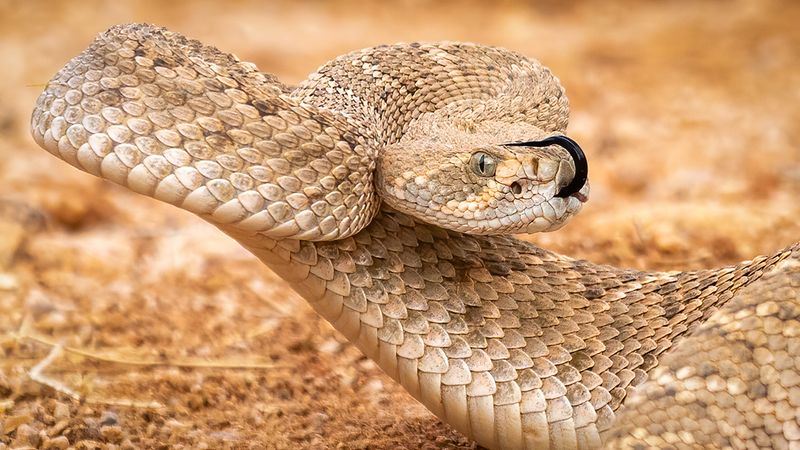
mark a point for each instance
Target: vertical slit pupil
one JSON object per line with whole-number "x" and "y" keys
{"x": 482, "y": 164}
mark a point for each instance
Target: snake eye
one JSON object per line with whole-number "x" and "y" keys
{"x": 483, "y": 164}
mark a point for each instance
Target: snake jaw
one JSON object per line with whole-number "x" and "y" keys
{"x": 520, "y": 196}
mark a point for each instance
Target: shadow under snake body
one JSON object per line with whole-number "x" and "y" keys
{"x": 382, "y": 189}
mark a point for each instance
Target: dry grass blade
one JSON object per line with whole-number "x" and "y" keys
{"x": 36, "y": 374}
{"x": 127, "y": 360}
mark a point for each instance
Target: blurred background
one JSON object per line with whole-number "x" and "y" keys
{"x": 128, "y": 323}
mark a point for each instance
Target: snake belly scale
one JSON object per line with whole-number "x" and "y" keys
{"x": 383, "y": 189}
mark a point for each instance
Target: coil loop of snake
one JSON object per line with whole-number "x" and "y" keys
{"x": 382, "y": 189}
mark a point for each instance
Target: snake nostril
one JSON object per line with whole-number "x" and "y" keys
{"x": 516, "y": 188}
{"x": 581, "y": 171}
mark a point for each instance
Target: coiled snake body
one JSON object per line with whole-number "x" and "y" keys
{"x": 382, "y": 188}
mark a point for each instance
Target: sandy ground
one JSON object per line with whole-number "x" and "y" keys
{"x": 125, "y": 323}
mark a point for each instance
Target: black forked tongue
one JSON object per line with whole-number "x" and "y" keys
{"x": 574, "y": 150}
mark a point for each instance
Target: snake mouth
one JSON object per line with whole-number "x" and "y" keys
{"x": 578, "y": 158}
{"x": 580, "y": 196}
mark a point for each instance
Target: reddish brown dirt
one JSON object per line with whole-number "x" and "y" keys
{"x": 172, "y": 336}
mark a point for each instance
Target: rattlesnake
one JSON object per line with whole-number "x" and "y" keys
{"x": 383, "y": 189}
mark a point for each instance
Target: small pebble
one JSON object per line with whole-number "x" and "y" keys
{"x": 90, "y": 444}
{"x": 60, "y": 442}
{"x": 109, "y": 418}
{"x": 111, "y": 433}
{"x": 14, "y": 422}
{"x": 442, "y": 441}
{"x": 26, "y": 435}
{"x": 60, "y": 426}
{"x": 61, "y": 411}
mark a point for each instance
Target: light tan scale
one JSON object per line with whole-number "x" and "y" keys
{"x": 734, "y": 383}
{"x": 381, "y": 189}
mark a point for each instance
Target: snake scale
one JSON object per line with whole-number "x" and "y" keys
{"x": 384, "y": 189}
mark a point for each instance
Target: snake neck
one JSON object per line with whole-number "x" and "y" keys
{"x": 500, "y": 317}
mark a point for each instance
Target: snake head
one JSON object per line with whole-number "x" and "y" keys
{"x": 463, "y": 184}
